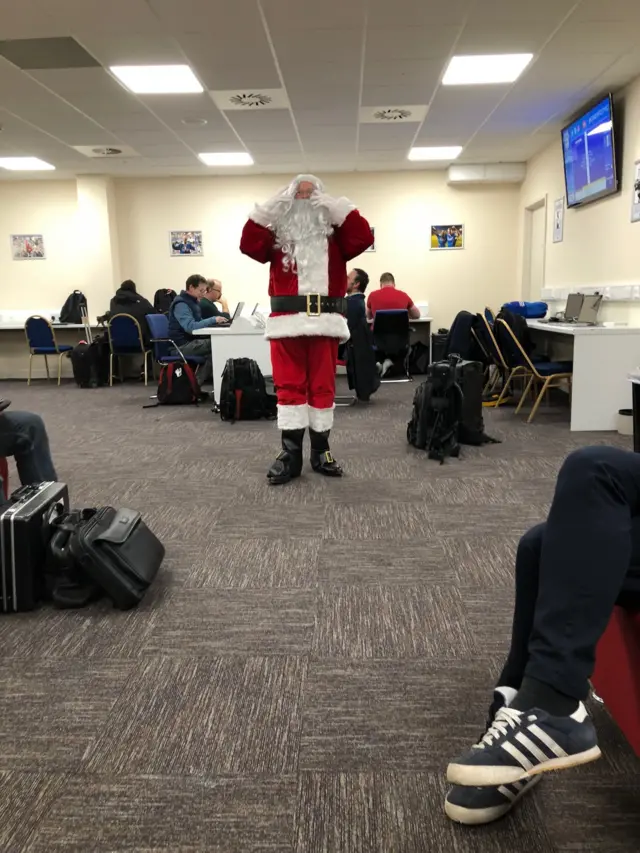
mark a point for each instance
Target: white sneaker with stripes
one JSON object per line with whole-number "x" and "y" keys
{"x": 525, "y": 743}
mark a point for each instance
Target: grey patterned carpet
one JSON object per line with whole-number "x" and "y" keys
{"x": 310, "y": 657}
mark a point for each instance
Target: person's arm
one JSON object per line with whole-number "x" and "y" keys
{"x": 186, "y": 319}
{"x": 352, "y": 232}
{"x": 414, "y": 312}
{"x": 257, "y": 238}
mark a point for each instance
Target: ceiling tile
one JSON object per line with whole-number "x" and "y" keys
{"x": 386, "y": 137}
{"x": 504, "y": 37}
{"x": 221, "y": 65}
{"x": 311, "y": 15}
{"x": 392, "y": 96}
{"x": 61, "y": 52}
{"x": 423, "y": 73}
{"x": 117, "y": 17}
{"x": 132, "y": 49}
{"x": 409, "y": 43}
{"x": 409, "y": 13}
{"x": 271, "y": 125}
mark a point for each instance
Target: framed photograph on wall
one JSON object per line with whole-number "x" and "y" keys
{"x": 27, "y": 247}
{"x": 186, "y": 243}
{"x": 446, "y": 237}
{"x": 372, "y": 248}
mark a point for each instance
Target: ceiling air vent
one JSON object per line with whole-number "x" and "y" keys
{"x": 392, "y": 115}
{"x": 101, "y": 152}
{"x": 411, "y": 114}
{"x": 250, "y": 100}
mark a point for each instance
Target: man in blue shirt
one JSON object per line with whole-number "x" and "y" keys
{"x": 185, "y": 317}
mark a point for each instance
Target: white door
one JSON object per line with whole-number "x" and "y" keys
{"x": 533, "y": 279}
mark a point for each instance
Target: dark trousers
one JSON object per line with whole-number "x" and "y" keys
{"x": 572, "y": 570}
{"x": 23, "y": 436}
{"x": 200, "y": 346}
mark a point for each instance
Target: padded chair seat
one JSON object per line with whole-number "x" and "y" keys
{"x": 171, "y": 359}
{"x": 51, "y": 350}
{"x": 549, "y": 368}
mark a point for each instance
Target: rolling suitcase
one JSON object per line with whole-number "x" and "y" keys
{"x": 90, "y": 363}
{"x": 24, "y": 536}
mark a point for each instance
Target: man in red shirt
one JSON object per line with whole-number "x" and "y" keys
{"x": 389, "y": 298}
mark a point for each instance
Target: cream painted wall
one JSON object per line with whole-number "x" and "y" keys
{"x": 39, "y": 207}
{"x": 97, "y": 231}
{"x": 401, "y": 207}
{"x": 601, "y": 246}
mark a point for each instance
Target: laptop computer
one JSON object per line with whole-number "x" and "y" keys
{"x": 573, "y": 307}
{"x": 588, "y": 315}
{"x": 235, "y": 315}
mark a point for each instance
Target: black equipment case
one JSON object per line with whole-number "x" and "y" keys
{"x": 25, "y": 530}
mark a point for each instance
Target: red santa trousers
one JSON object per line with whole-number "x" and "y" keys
{"x": 304, "y": 373}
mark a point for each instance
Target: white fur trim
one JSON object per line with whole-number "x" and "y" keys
{"x": 300, "y": 326}
{"x": 320, "y": 420}
{"x": 340, "y": 209}
{"x": 261, "y": 216}
{"x": 293, "y": 417}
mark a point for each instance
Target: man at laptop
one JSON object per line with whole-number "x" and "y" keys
{"x": 390, "y": 298}
{"x": 212, "y": 299}
{"x": 185, "y": 317}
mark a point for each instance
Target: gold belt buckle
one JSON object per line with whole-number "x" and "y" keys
{"x": 310, "y": 311}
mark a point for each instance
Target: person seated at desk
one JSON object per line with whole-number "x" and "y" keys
{"x": 185, "y": 317}
{"x": 127, "y": 300}
{"x": 357, "y": 282}
{"x": 23, "y": 435}
{"x": 212, "y": 296}
{"x": 390, "y": 298}
{"x": 569, "y": 574}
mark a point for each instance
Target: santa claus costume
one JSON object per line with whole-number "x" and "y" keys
{"x": 307, "y": 237}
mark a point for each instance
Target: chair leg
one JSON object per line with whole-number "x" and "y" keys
{"x": 59, "y": 368}
{"x": 536, "y": 405}
{"x": 111, "y": 369}
{"x": 46, "y": 364}
{"x": 525, "y": 394}
{"x": 146, "y": 367}
{"x": 505, "y": 387}
{"x": 30, "y": 362}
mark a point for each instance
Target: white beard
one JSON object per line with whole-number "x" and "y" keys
{"x": 301, "y": 234}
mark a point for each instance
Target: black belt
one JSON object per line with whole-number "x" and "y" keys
{"x": 312, "y": 304}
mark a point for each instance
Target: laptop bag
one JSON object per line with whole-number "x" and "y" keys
{"x": 115, "y": 550}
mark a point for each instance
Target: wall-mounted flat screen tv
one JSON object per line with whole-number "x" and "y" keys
{"x": 588, "y": 150}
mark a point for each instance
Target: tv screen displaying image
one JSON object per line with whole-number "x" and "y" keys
{"x": 588, "y": 151}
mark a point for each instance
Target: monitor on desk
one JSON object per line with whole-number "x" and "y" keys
{"x": 573, "y": 307}
{"x": 237, "y": 312}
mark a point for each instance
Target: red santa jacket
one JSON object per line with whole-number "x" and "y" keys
{"x": 348, "y": 240}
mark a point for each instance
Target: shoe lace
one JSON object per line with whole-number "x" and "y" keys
{"x": 506, "y": 719}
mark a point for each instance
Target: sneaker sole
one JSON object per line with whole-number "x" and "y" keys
{"x": 477, "y": 775}
{"x": 476, "y": 817}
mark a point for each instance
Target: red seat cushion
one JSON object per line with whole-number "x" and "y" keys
{"x": 616, "y": 678}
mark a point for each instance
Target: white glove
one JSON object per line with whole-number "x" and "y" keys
{"x": 338, "y": 208}
{"x": 264, "y": 214}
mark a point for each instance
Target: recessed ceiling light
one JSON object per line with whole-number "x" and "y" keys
{"x": 441, "y": 153}
{"x": 481, "y": 70}
{"x": 157, "y": 79}
{"x": 238, "y": 158}
{"x": 25, "y": 164}
{"x": 195, "y": 122}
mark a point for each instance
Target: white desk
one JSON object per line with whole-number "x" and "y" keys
{"x": 240, "y": 340}
{"x": 602, "y": 359}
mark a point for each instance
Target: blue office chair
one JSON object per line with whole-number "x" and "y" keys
{"x": 41, "y": 339}
{"x": 125, "y": 338}
{"x": 391, "y": 333}
{"x": 489, "y": 316}
{"x": 163, "y": 345}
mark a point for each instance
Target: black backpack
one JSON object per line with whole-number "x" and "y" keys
{"x": 72, "y": 310}
{"x": 178, "y": 385}
{"x": 90, "y": 363}
{"x": 437, "y": 410}
{"x": 162, "y": 300}
{"x": 243, "y": 393}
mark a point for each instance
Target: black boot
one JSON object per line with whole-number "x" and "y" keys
{"x": 321, "y": 459}
{"x": 288, "y": 463}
